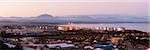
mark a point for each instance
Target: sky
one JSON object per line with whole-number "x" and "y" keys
{"x": 27, "y": 8}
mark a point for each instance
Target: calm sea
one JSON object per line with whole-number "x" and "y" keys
{"x": 132, "y": 26}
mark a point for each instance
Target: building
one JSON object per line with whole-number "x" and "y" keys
{"x": 67, "y": 28}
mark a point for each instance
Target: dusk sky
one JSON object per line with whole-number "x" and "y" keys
{"x": 22, "y": 8}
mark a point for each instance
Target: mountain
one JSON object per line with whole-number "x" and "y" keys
{"x": 46, "y": 18}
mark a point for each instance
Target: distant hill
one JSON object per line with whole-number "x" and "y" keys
{"x": 46, "y": 18}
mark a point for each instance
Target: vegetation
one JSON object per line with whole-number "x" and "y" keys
{"x": 5, "y": 47}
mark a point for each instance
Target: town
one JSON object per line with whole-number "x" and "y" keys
{"x": 57, "y": 37}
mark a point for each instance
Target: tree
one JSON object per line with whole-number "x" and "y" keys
{"x": 18, "y": 47}
{"x": 3, "y": 46}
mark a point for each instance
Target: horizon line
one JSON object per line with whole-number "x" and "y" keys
{"x": 76, "y": 15}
